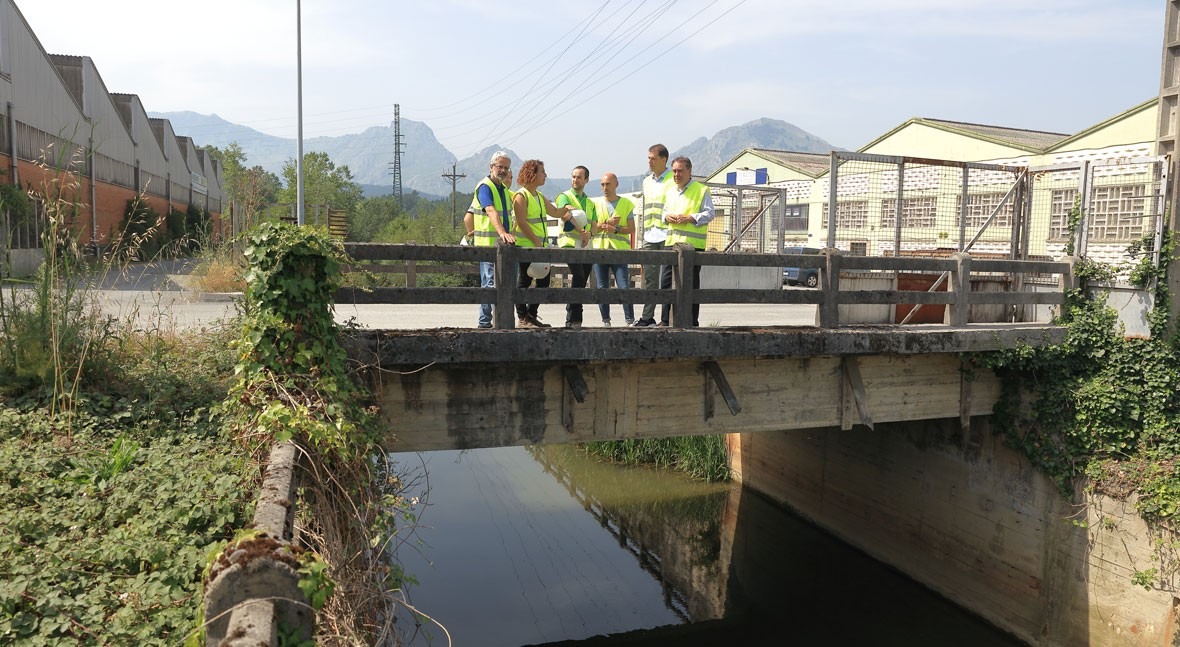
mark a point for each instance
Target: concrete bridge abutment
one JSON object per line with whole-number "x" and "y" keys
{"x": 972, "y": 519}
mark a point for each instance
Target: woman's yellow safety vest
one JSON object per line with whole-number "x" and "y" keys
{"x": 536, "y": 219}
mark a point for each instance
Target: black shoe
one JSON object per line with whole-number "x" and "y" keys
{"x": 640, "y": 323}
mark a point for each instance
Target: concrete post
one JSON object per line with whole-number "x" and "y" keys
{"x": 958, "y": 313}
{"x": 682, "y": 284}
{"x": 507, "y": 267}
{"x": 827, "y": 315}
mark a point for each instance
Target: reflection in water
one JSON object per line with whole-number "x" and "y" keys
{"x": 547, "y": 544}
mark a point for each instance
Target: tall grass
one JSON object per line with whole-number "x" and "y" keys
{"x": 702, "y": 457}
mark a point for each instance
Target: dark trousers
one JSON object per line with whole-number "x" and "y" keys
{"x": 526, "y": 281}
{"x": 652, "y": 275}
{"x": 666, "y": 284}
{"x": 579, "y": 274}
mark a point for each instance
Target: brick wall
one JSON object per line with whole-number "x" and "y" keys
{"x": 110, "y": 201}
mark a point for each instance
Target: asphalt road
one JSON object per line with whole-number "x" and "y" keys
{"x": 160, "y": 296}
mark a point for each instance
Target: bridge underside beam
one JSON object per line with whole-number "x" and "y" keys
{"x": 494, "y": 404}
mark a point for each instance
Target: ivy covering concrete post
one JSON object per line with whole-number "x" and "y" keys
{"x": 295, "y": 397}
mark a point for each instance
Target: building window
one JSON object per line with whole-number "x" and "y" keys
{"x": 915, "y": 213}
{"x": 1061, "y": 203}
{"x": 981, "y": 205}
{"x": 858, "y": 249}
{"x": 1116, "y": 212}
{"x": 853, "y": 214}
{"x": 796, "y": 218}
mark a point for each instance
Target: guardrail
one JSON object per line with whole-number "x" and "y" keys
{"x": 957, "y": 270}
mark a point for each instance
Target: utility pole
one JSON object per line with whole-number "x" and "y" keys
{"x": 454, "y": 177}
{"x": 1168, "y": 139}
{"x": 398, "y": 145}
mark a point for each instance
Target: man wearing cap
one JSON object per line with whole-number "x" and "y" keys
{"x": 493, "y": 222}
{"x": 688, "y": 209}
{"x": 655, "y": 232}
{"x": 575, "y": 233}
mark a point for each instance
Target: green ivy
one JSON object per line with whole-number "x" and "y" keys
{"x": 293, "y": 380}
{"x": 1099, "y": 404}
{"x": 101, "y": 541}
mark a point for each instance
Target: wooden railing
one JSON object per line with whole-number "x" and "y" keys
{"x": 828, "y": 298}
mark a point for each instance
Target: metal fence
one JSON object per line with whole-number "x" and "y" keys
{"x": 906, "y": 206}
{"x": 760, "y": 219}
{"x": 902, "y": 206}
{"x": 23, "y": 232}
{"x": 1122, "y": 202}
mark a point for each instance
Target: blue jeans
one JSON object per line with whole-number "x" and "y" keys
{"x": 602, "y": 274}
{"x": 487, "y": 279}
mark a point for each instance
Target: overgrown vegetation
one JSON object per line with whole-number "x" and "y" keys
{"x": 145, "y": 234}
{"x": 702, "y": 457}
{"x": 1100, "y": 406}
{"x": 293, "y": 384}
{"x": 114, "y": 479}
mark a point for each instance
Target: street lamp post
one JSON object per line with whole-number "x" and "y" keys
{"x": 299, "y": 112}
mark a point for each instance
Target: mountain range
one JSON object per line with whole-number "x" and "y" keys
{"x": 367, "y": 154}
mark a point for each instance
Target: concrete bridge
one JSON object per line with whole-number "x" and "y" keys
{"x": 875, "y": 430}
{"x": 463, "y": 388}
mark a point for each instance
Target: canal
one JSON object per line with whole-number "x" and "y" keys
{"x": 546, "y": 545}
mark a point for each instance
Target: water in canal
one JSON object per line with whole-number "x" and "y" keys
{"x": 547, "y": 545}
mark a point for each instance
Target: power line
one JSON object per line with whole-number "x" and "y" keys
{"x": 538, "y": 123}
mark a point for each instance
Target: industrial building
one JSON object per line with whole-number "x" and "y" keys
{"x": 64, "y": 134}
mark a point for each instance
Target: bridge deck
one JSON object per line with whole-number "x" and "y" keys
{"x": 458, "y": 345}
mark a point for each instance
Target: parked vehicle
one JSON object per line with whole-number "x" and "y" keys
{"x": 808, "y": 276}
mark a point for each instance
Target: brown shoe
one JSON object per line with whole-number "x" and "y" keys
{"x": 525, "y": 322}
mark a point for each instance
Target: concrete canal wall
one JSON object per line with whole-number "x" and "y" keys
{"x": 975, "y": 521}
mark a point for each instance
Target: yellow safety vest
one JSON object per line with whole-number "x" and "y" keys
{"x": 653, "y": 199}
{"x": 623, "y": 209}
{"x": 485, "y": 231}
{"x": 690, "y": 202}
{"x": 570, "y": 238}
{"x": 536, "y": 219}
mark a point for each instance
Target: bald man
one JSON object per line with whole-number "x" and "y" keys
{"x": 612, "y": 229}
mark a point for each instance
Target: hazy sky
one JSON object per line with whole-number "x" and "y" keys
{"x": 597, "y": 82}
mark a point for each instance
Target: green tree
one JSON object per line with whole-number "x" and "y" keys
{"x": 324, "y": 183}
{"x": 371, "y": 216}
{"x": 247, "y": 189}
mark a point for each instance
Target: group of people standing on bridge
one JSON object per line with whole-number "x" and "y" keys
{"x": 674, "y": 209}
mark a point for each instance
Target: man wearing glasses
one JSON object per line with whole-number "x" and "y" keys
{"x": 492, "y": 222}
